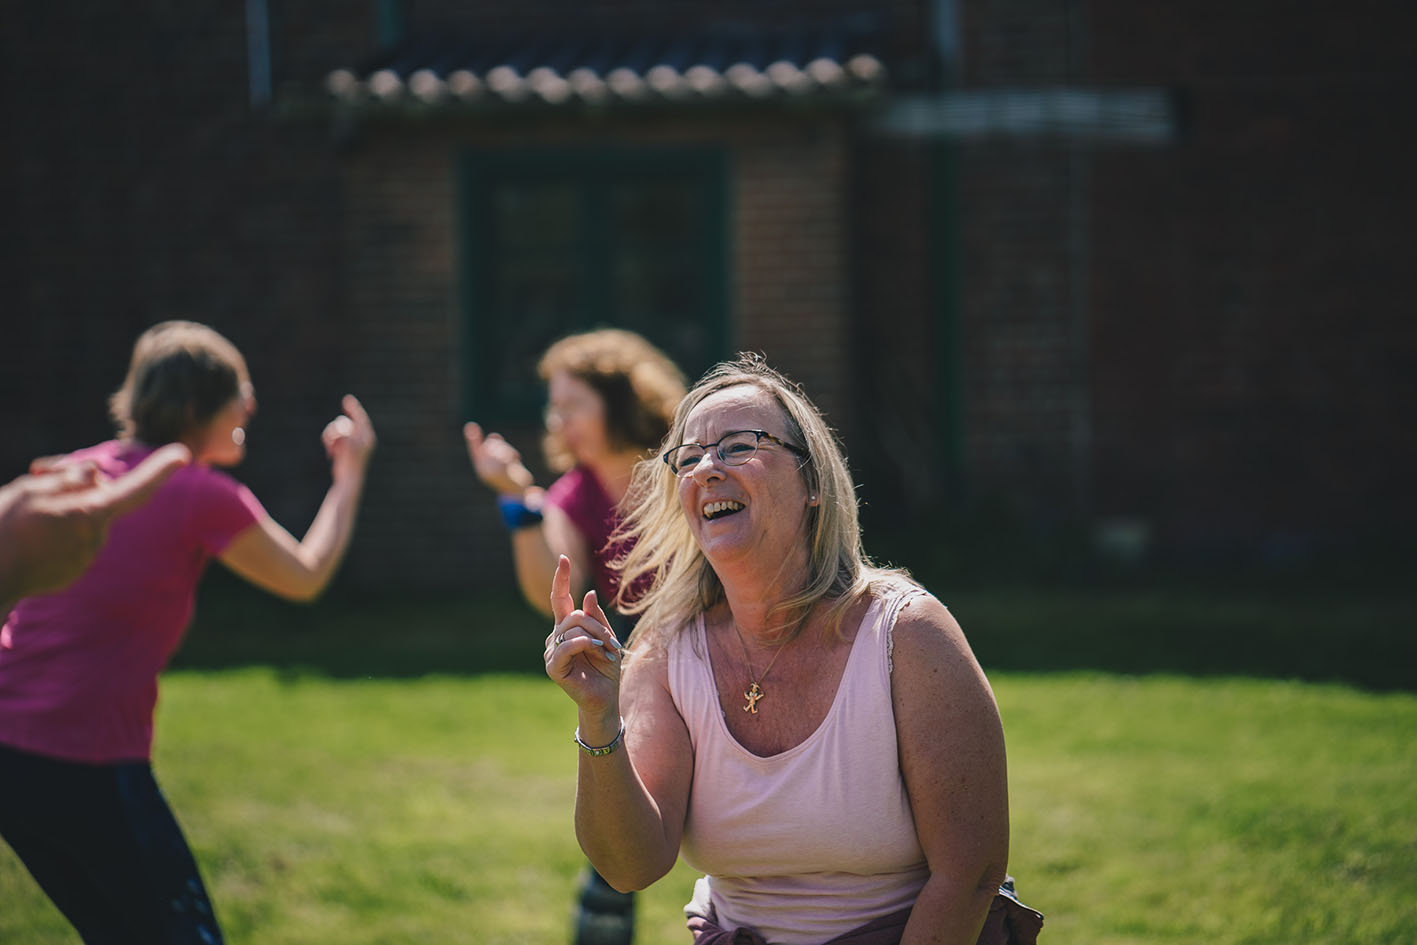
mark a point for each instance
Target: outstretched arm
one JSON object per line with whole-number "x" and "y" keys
{"x": 630, "y": 803}
{"x": 536, "y": 546}
{"x": 54, "y": 520}
{"x": 269, "y": 556}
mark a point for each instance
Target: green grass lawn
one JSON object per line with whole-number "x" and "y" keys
{"x": 388, "y": 781}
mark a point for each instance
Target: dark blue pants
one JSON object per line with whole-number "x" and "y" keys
{"x": 103, "y": 845}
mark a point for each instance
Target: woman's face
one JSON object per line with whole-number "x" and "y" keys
{"x": 754, "y": 513}
{"x": 576, "y": 413}
{"x": 222, "y": 442}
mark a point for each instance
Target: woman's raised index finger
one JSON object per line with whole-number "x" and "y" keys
{"x": 561, "y": 602}
{"x": 354, "y": 409}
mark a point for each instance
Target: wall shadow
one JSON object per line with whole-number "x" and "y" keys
{"x": 1364, "y": 638}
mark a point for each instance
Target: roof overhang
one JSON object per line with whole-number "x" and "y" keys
{"x": 834, "y": 65}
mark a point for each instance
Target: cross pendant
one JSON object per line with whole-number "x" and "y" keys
{"x": 753, "y": 694}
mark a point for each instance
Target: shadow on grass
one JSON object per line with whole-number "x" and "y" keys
{"x": 351, "y": 633}
{"x": 1364, "y": 638}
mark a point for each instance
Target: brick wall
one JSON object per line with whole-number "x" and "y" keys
{"x": 901, "y": 359}
{"x": 791, "y": 273}
{"x": 1214, "y": 337}
{"x": 331, "y": 259}
{"x": 426, "y": 519}
{"x": 402, "y": 343}
{"x": 143, "y": 188}
{"x": 1254, "y": 344}
{"x": 1021, "y": 42}
{"x": 1021, "y": 298}
{"x": 1021, "y": 324}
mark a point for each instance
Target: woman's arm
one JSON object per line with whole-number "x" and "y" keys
{"x": 630, "y": 804}
{"x": 54, "y": 520}
{"x": 535, "y": 548}
{"x": 952, "y": 757}
{"x": 269, "y": 556}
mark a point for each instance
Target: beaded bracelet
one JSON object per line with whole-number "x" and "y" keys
{"x": 609, "y": 749}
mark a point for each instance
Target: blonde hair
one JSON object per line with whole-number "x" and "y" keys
{"x": 667, "y": 561}
{"x": 181, "y": 376}
{"x": 637, "y": 382}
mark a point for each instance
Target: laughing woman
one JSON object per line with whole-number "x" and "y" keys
{"x": 810, "y": 731}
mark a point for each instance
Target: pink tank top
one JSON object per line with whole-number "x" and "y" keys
{"x": 818, "y": 840}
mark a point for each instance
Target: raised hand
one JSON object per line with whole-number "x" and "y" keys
{"x": 582, "y": 654}
{"x": 349, "y": 439}
{"x": 497, "y": 462}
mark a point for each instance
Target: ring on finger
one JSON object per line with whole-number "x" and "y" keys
{"x": 560, "y": 638}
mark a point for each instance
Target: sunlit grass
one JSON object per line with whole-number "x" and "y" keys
{"x": 1168, "y": 809}
{"x": 438, "y": 809}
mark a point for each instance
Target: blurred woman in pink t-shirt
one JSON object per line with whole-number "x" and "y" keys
{"x": 611, "y": 396}
{"x": 78, "y": 668}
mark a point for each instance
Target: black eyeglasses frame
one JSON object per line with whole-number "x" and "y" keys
{"x": 757, "y": 443}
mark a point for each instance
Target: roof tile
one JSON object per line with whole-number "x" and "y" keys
{"x": 834, "y": 63}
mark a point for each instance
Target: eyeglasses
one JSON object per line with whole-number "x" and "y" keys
{"x": 733, "y": 449}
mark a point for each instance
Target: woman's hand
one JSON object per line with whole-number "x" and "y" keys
{"x": 496, "y": 461}
{"x": 268, "y": 556}
{"x": 349, "y": 440}
{"x": 582, "y": 655}
{"x": 54, "y": 521}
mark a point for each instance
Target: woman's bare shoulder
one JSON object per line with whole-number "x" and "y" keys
{"x": 927, "y": 637}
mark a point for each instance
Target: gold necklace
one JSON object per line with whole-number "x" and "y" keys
{"x": 754, "y": 693}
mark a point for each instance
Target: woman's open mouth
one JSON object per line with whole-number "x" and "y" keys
{"x": 722, "y": 507}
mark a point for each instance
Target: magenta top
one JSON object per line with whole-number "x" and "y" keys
{"x": 580, "y": 495}
{"x": 78, "y": 668}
